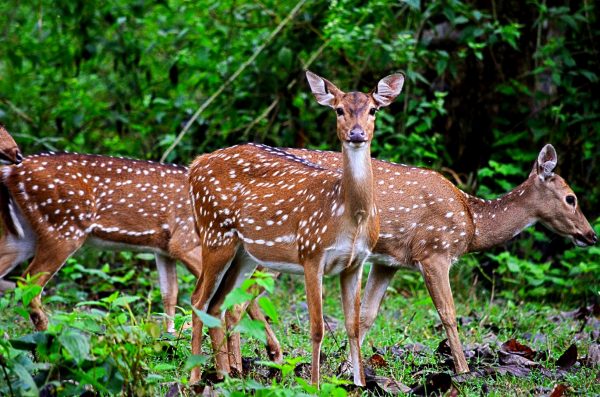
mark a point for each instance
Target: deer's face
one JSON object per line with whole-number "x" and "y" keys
{"x": 355, "y": 110}
{"x": 559, "y": 211}
{"x": 355, "y": 119}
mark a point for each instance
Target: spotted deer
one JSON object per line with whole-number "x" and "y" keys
{"x": 427, "y": 224}
{"x": 52, "y": 204}
{"x": 256, "y": 205}
{"x": 9, "y": 151}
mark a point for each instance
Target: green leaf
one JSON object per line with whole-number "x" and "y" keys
{"x": 285, "y": 57}
{"x": 30, "y": 292}
{"x": 207, "y": 319}
{"x": 414, "y": 4}
{"x": 123, "y": 301}
{"x": 268, "y": 308}
{"x": 268, "y": 283}
{"x": 165, "y": 367}
{"x": 30, "y": 341}
{"x": 194, "y": 361}
{"x": 236, "y": 297}
{"x": 24, "y": 376}
{"x": 252, "y": 328}
{"x": 145, "y": 256}
{"x": 76, "y": 343}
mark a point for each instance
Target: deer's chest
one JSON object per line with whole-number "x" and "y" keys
{"x": 344, "y": 253}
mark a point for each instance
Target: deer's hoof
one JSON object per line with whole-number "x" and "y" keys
{"x": 195, "y": 376}
{"x": 39, "y": 320}
{"x": 276, "y": 356}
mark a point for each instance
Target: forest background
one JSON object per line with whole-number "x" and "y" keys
{"x": 488, "y": 84}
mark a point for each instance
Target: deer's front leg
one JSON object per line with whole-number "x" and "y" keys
{"x": 313, "y": 278}
{"x": 436, "y": 275}
{"x": 350, "y": 280}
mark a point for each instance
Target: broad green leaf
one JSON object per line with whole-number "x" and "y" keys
{"x": 252, "y": 328}
{"x": 30, "y": 341}
{"x": 76, "y": 343}
{"x": 125, "y": 300}
{"x": 414, "y": 4}
{"x": 145, "y": 256}
{"x": 207, "y": 319}
{"x": 194, "y": 361}
{"x": 236, "y": 297}
{"x": 30, "y": 388}
{"x": 268, "y": 283}
{"x": 268, "y": 308}
{"x": 30, "y": 292}
{"x": 164, "y": 367}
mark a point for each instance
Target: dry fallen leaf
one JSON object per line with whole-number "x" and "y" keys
{"x": 559, "y": 390}
{"x": 434, "y": 384}
{"x": 512, "y": 346}
{"x": 377, "y": 361}
{"x": 568, "y": 359}
{"x": 593, "y": 356}
{"x": 381, "y": 385}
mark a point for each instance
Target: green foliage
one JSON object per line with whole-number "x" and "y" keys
{"x": 487, "y": 84}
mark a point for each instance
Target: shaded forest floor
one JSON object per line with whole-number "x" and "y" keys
{"x": 104, "y": 342}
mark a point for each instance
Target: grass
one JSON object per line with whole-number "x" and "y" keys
{"x": 127, "y": 347}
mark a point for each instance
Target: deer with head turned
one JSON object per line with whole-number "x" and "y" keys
{"x": 55, "y": 203}
{"x": 427, "y": 224}
{"x": 256, "y": 205}
{"x": 52, "y": 204}
{"x": 9, "y": 151}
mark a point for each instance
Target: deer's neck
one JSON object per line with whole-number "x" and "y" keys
{"x": 499, "y": 220}
{"x": 357, "y": 184}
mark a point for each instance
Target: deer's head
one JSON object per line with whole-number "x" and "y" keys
{"x": 355, "y": 110}
{"x": 9, "y": 151}
{"x": 558, "y": 207}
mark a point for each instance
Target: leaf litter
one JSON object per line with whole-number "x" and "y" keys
{"x": 488, "y": 359}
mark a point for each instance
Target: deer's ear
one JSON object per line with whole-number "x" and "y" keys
{"x": 324, "y": 91}
{"x": 545, "y": 163}
{"x": 388, "y": 89}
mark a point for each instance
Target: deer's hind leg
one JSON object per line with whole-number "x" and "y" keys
{"x": 436, "y": 272}
{"x": 229, "y": 350}
{"x": 377, "y": 283}
{"x": 210, "y": 272}
{"x": 169, "y": 288}
{"x": 234, "y": 342}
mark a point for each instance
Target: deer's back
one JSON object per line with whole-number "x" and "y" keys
{"x": 113, "y": 201}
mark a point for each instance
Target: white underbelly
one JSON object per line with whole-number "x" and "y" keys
{"x": 109, "y": 245}
{"x": 283, "y": 267}
{"x": 336, "y": 258}
{"x": 388, "y": 260}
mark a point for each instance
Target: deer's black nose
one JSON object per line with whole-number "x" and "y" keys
{"x": 18, "y": 157}
{"x": 357, "y": 135}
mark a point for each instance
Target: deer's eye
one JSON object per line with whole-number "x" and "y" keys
{"x": 570, "y": 199}
{"x": 372, "y": 111}
{"x": 339, "y": 111}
